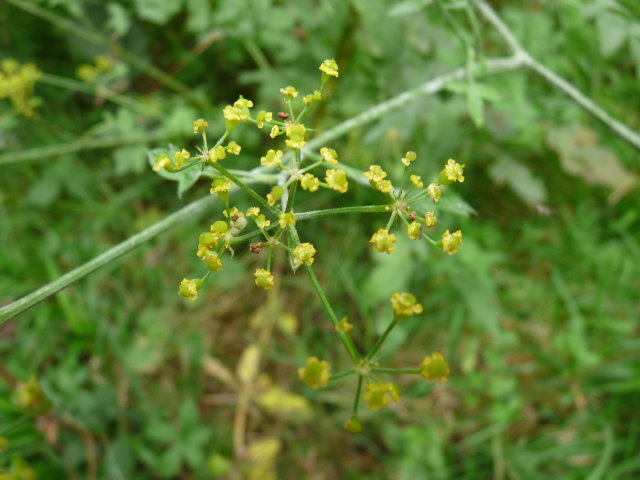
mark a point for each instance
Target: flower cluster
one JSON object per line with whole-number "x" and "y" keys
{"x": 89, "y": 73}
{"x": 16, "y": 84}
{"x": 274, "y": 219}
{"x": 401, "y": 200}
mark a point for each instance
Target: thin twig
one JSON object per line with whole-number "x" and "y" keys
{"x": 619, "y": 128}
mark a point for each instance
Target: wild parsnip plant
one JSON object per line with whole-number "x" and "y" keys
{"x": 271, "y": 224}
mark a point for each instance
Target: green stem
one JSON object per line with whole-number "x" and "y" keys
{"x": 458, "y": 32}
{"x": 256, "y": 54}
{"x": 345, "y": 373}
{"x": 344, "y": 337}
{"x": 396, "y": 370}
{"x": 245, "y": 187}
{"x": 83, "y": 143}
{"x": 28, "y": 301}
{"x": 356, "y": 400}
{"x": 391, "y": 219}
{"x": 101, "y": 91}
{"x": 381, "y": 340}
{"x": 342, "y": 210}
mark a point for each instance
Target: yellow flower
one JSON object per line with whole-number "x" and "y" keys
{"x": 273, "y": 158}
{"x": 289, "y": 91}
{"x": 416, "y": 180}
{"x": 451, "y": 241}
{"x": 452, "y": 172}
{"x": 220, "y": 184}
{"x": 264, "y": 279}
{"x": 383, "y": 186}
{"x": 180, "y": 157}
{"x": 220, "y": 227}
{"x": 234, "y": 114}
{"x": 316, "y": 373}
{"x": 433, "y": 190}
{"x": 435, "y": 367}
{"x": 309, "y": 182}
{"x": 233, "y": 148}
{"x": 189, "y": 288}
{"x": 377, "y": 395}
{"x": 216, "y": 153}
{"x": 295, "y": 135}
{"x": 233, "y": 212}
{"x": 275, "y": 131}
{"x": 404, "y": 305}
{"x": 161, "y": 162}
{"x": 303, "y": 253}
{"x": 414, "y": 230}
{"x": 375, "y": 174}
{"x": 238, "y": 112}
{"x": 287, "y": 219}
{"x": 330, "y": 67}
{"x": 212, "y": 261}
{"x": 383, "y": 242}
{"x": 199, "y": 125}
{"x": 263, "y": 116}
{"x": 337, "y": 180}
{"x": 329, "y": 155}
{"x": 262, "y": 222}
{"x": 344, "y": 325}
{"x": 253, "y": 212}
{"x": 206, "y": 241}
{"x": 430, "y": 219}
{"x": 408, "y": 158}
{"x": 275, "y": 195}
{"x": 312, "y": 98}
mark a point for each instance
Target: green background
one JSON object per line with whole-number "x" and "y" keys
{"x": 537, "y": 315}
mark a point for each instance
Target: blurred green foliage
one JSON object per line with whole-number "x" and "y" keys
{"x": 537, "y": 315}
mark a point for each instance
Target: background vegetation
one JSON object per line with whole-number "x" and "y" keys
{"x": 537, "y": 314}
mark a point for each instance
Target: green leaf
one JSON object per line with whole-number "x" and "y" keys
{"x": 119, "y": 20}
{"x": 158, "y": 11}
{"x": 453, "y": 203}
{"x": 408, "y": 7}
{"x": 475, "y": 105}
{"x": 476, "y": 93}
{"x": 186, "y": 178}
{"x": 44, "y": 192}
{"x": 520, "y": 179}
{"x": 129, "y": 159}
{"x": 612, "y": 32}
